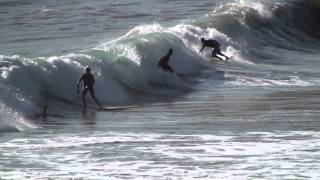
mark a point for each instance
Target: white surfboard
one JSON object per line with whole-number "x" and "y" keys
{"x": 114, "y": 108}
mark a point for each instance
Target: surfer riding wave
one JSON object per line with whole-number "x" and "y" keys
{"x": 88, "y": 82}
{"x": 215, "y": 45}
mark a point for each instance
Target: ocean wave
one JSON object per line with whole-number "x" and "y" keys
{"x": 128, "y": 64}
{"x": 284, "y": 25}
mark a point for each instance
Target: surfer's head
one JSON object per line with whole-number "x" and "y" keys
{"x": 88, "y": 70}
{"x": 202, "y": 40}
{"x": 170, "y": 51}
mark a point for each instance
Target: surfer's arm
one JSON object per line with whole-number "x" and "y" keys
{"x": 202, "y": 48}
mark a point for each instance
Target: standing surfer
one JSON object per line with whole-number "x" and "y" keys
{"x": 164, "y": 62}
{"x": 215, "y": 45}
{"x": 88, "y": 82}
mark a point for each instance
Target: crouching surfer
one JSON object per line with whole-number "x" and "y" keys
{"x": 215, "y": 45}
{"x": 88, "y": 82}
{"x": 164, "y": 62}
{"x": 175, "y": 79}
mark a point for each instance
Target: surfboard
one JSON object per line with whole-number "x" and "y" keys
{"x": 219, "y": 60}
{"x": 114, "y": 108}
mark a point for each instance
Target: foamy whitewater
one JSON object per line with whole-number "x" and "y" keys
{"x": 255, "y": 116}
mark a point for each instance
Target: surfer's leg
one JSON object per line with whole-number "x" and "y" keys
{"x": 168, "y": 68}
{"x": 94, "y": 97}
{"x": 164, "y": 68}
{"x": 214, "y": 54}
{"x": 224, "y": 55}
{"x": 216, "y": 51}
{"x": 84, "y": 93}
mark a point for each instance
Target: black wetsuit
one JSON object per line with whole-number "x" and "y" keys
{"x": 88, "y": 82}
{"x": 213, "y": 44}
{"x": 216, "y": 48}
{"x": 163, "y": 63}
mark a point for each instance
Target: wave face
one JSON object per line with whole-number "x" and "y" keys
{"x": 127, "y": 66}
{"x": 123, "y": 66}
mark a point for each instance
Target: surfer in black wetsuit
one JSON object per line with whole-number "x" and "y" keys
{"x": 88, "y": 82}
{"x": 215, "y": 45}
{"x": 164, "y": 62}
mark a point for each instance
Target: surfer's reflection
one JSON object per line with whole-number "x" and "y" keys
{"x": 89, "y": 116}
{"x": 44, "y": 114}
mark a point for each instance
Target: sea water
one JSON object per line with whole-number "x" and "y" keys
{"x": 255, "y": 116}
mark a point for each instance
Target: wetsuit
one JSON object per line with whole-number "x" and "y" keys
{"x": 163, "y": 63}
{"x": 213, "y": 44}
{"x": 88, "y": 82}
{"x": 216, "y": 48}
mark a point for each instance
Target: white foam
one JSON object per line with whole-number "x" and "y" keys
{"x": 115, "y": 155}
{"x": 12, "y": 121}
{"x": 242, "y": 80}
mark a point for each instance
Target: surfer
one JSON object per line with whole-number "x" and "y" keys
{"x": 88, "y": 82}
{"x": 216, "y": 48}
{"x": 164, "y": 62}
